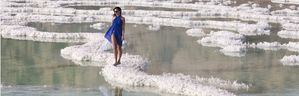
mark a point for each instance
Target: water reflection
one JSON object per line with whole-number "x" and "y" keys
{"x": 38, "y": 63}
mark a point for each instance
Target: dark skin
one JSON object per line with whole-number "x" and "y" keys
{"x": 117, "y": 48}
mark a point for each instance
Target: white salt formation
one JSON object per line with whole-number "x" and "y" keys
{"x": 285, "y": 12}
{"x": 261, "y": 28}
{"x": 291, "y": 30}
{"x": 243, "y": 13}
{"x": 23, "y": 32}
{"x": 234, "y": 50}
{"x": 292, "y": 46}
{"x": 292, "y": 60}
{"x": 99, "y": 26}
{"x": 14, "y": 16}
{"x": 288, "y": 34}
{"x": 195, "y": 32}
{"x": 222, "y": 39}
{"x": 291, "y": 26}
{"x": 286, "y": 1}
{"x": 268, "y": 45}
{"x": 244, "y": 28}
{"x": 231, "y": 43}
{"x": 131, "y": 73}
{"x": 154, "y": 27}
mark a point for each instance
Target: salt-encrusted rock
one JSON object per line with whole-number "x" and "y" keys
{"x": 291, "y": 60}
{"x": 234, "y": 50}
{"x": 24, "y": 32}
{"x": 269, "y": 45}
{"x": 195, "y": 32}
{"x": 99, "y": 26}
{"x": 292, "y": 46}
{"x": 288, "y": 34}
{"x": 222, "y": 39}
{"x": 154, "y": 27}
{"x": 285, "y": 1}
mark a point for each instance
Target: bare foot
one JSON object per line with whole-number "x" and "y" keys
{"x": 115, "y": 64}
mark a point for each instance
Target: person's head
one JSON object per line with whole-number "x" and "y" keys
{"x": 117, "y": 11}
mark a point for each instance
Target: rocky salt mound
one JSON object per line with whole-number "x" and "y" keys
{"x": 267, "y": 45}
{"x": 292, "y": 60}
{"x": 131, "y": 74}
{"x": 288, "y": 34}
{"x": 292, "y": 46}
{"x": 290, "y": 30}
{"x": 29, "y": 33}
{"x": 99, "y": 26}
{"x": 286, "y": 1}
{"x": 231, "y": 43}
{"x": 195, "y": 32}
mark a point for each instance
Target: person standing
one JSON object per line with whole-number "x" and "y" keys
{"x": 115, "y": 34}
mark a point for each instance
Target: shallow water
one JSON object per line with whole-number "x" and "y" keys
{"x": 30, "y": 64}
{"x": 171, "y": 50}
{"x": 31, "y": 68}
{"x": 35, "y": 68}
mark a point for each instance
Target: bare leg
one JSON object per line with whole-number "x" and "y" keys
{"x": 118, "y": 91}
{"x": 119, "y": 53}
{"x": 114, "y": 46}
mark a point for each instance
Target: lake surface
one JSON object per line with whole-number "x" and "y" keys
{"x": 30, "y": 68}
{"x": 27, "y": 66}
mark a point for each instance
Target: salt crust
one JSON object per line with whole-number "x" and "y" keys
{"x": 292, "y": 60}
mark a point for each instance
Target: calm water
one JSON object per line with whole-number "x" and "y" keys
{"x": 36, "y": 69}
{"x": 27, "y": 66}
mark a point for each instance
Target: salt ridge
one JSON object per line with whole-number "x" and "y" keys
{"x": 292, "y": 60}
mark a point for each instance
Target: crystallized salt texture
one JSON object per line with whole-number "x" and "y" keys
{"x": 99, "y": 26}
{"x": 170, "y": 83}
{"x": 222, "y": 39}
{"x": 195, "y": 32}
{"x": 292, "y": 46}
{"x": 260, "y": 28}
{"x": 15, "y": 31}
{"x": 154, "y": 27}
{"x": 285, "y": 1}
{"x": 231, "y": 43}
{"x": 269, "y": 45}
{"x": 290, "y": 26}
{"x": 291, "y": 60}
{"x": 285, "y": 12}
{"x": 234, "y": 50}
{"x": 288, "y": 34}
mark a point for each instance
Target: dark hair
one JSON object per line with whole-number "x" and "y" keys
{"x": 118, "y": 8}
